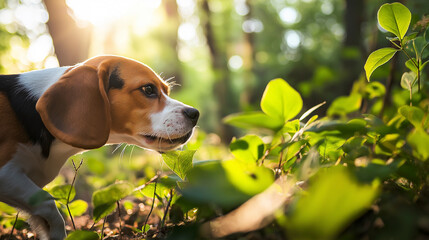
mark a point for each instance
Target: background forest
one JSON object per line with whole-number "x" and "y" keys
{"x": 223, "y": 55}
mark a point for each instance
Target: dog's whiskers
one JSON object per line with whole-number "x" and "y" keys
{"x": 122, "y": 152}
{"x": 171, "y": 83}
{"x": 117, "y": 147}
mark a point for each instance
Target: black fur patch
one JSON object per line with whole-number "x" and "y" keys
{"x": 24, "y": 106}
{"x": 115, "y": 81}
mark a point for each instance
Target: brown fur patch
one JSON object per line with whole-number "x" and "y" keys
{"x": 130, "y": 108}
{"x": 11, "y": 131}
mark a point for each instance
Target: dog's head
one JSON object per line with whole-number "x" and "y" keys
{"x": 115, "y": 99}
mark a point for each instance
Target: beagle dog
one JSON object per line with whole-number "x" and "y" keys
{"x": 48, "y": 115}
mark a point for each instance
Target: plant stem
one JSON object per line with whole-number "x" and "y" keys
{"x": 416, "y": 64}
{"x": 418, "y": 73}
{"x": 153, "y": 203}
{"x": 76, "y": 169}
{"x": 167, "y": 208}
{"x": 13, "y": 227}
{"x": 411, "y": 96}
{"x": 102, "y": 228}
{"x": 139, "y": 188}
{"x": 278, "y": 172}
{"x": 119, "y": 215}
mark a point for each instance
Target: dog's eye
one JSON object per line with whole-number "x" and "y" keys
{"x": 149, "y": 90}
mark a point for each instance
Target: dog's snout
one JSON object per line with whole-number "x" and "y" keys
{"x": 192, "y": 114}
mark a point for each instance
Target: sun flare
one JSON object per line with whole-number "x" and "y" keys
{"x": 103, "y": 13}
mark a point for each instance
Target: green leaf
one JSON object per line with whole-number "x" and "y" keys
{"x": 146, "y": 228}
{"x": 424, "y": 65}
{"x": 410, "y": 37}
{"x": 249, "y": 148}
{"x": 227, "y": 183}
{"x": 334, "y": 199}
{"x": 254, "y": 120}
{"x": 163, "y": 187}
{"x": 208, "y": 184}
{"x": 378, "y": 58}
{"x": 280, "y": 100}
{"x": 419, "y": 141}
{"x": 344, "y": 130}
{"x": 395, "y": 18}
{"x": 82, "y": 235}
{"x": 248, "y": 178}
{"x": 104, "y": 200}
{"x": 4, "y": 208}
{"x": 408, "y": 81}
{"x": 309, "y": 111}
{"x": 179, "y": 161}
{"x": 61, "y": 193}
{"x": 413, "y": 114}
{"x": 344, "y": 105}
{"x": 410, "y": 65}
{"x": 374, "y": 89}
{"x": 78, "y": 207}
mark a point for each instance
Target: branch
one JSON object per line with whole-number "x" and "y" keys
{"x": 254, "y": 214}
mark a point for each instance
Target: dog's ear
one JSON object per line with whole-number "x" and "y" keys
{"x": 76, "y": 109}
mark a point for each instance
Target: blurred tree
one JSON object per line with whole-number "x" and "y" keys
{"x": 71, "y": 42}
{"x": 222, "y": 88}
{"x": 351, "y": 56}
{"x": 173, "y": 19}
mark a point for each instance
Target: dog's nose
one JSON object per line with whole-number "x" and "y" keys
{"x": 192, "y": 114}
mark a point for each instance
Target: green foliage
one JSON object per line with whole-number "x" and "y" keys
{"x": 395, "y": 18}
{"x": 378, "y": 58}
{"x": 83, "y": 235}
{"x": 77, "y": 208}
{"x": 332, "y": 201}
{"x": 225, "y": 183}
{"x": 249, "y": 148}
{"x": 104, "y": 200}
{"x": 361, "y": 172}
{"x": 344, "y": 105}
{"x": 280, "y": 100}
{"x": 63, "y": 193}
{"x": 253, "y": 120}
{"x": 419, "y": 140}
{"x": 279, "y": 103}
{"x": 180, "y": 162}
{"x": 163, "y": 187}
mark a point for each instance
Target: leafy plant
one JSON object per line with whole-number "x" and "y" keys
{"x": 358, "y": 172}
{"x": 396, "y": 18}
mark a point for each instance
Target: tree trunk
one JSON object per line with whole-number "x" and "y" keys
{"x": 222, "y": 87}
{"x": 71, "y": 42}
{"x": 249, "y": 59}
{"x": 352, "y": 52}
{"x": 170, "y": 7}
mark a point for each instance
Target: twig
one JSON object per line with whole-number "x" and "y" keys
{"x": 120, "y": 224}
{"x": 13, "y": 227}
{"x": 279, "y": 171}
{"x": 76, "y": 169}
{"x": 92, "y": 226}
{"x": 267, "y": 152}
{"x": 166, "y": 209}
{"x": 153, "y": 203}
{"x": 102, "y": 228}
{"x": 154, "y": 179}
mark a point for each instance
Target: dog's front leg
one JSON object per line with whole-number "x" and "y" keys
{"x": 18, "y": 190}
